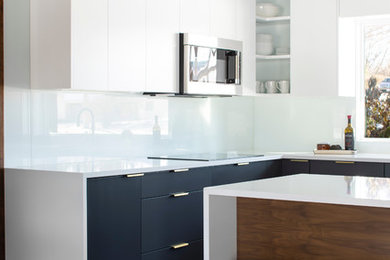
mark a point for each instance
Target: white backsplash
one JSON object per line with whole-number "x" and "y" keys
{"x": 297, "y": 124}
{"x": 68, "y": 124}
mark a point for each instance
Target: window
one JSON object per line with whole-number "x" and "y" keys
{"x": 376, "y": 40}
{"x": 364, "y": 66}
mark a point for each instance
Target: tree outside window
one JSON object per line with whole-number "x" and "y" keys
{"x": 377, "y": 79}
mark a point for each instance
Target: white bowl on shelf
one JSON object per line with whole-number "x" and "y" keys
{"x": 267, "y": 10}
{"x": 264, "y": 48}
{"x": 261, "y": 37}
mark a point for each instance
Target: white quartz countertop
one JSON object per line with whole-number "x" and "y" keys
{"x": 359, "y": 157}
{"x": 105, "y": 166}
{"x": 359, "y": 191}
{"x": 102, "y": 167}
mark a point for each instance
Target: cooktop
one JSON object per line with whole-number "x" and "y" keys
{"x": 205, "y": 156}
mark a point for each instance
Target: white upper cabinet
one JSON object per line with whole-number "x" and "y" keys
{"x": 68, "y": 44}
{"x": 126, "y": 45}
{"x": 314, "y": 47}
{"x": 246, "y": 32}
{"x": 162, "y": 52}
{"x": 223, "y": 20}
{"x": 195, "y": 16}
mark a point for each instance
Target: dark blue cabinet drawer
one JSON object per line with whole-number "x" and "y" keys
{"x": 163, "y": 183}
{"x": 114, "y": 218}
{"x": 295, "y": 166}
{"x": 170, "y": 220}
{"x": 193, "y": 251}
{"x": 246, "y": 172}
{"x": 347, "y": 168}
{"x": 387, "y": 170}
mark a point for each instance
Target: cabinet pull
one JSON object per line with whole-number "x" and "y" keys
{"x": 181, "y": 245}
{"x": 242, "y": 164}
{"x": 181, "y": 170}
{"x": 303, "y": 161}
{"x": 180, "y": 194}
{"x": 344, "y": 162}
{"x": 134, "y": 175}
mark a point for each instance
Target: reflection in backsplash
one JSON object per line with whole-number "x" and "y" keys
{"x": 42, "y": 124}
{"x": 297, "y": 124}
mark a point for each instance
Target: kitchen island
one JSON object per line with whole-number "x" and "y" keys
{"x": 300, "y": 216}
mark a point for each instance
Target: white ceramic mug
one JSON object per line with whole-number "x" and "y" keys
{"x": 260, "y": 88}
{"x": 284, "y": 86}
{"x": 271, "y": 86}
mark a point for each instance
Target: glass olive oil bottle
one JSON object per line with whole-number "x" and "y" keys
{"x": 348, "y": 136}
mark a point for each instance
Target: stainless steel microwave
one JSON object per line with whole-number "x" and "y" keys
{"x": 209, "y": 66}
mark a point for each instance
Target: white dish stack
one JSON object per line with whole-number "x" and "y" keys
{"x": 264, "y": 44}
{"x": 267, "y": 10}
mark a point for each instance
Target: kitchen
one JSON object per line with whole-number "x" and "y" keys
{"x": 74, "y": 101}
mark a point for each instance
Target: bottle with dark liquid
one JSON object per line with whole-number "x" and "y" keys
{"x": 348, "y": 136}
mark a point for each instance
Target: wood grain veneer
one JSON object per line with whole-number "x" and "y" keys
{"x": 272, "y": 229}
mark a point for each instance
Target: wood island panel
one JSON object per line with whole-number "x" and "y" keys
{"x": 276, "y": 229}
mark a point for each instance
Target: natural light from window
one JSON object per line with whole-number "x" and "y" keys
{"x": 364, "y": 67}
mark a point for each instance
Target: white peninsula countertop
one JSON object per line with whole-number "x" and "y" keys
{"x": 92, "y": 167}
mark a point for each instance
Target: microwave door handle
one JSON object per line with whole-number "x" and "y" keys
{"x": 238, "y": 68}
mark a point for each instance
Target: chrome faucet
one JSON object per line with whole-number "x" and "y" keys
{"x": 87, "y": 110}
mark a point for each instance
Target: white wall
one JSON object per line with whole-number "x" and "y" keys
{"x": 355, "y": 8}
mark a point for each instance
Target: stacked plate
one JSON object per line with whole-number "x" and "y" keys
{"x": 264, "y": 44}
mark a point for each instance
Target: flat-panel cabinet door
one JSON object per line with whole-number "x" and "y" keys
{"x": 88, "y": 28}
{"x": 245, "y": 172}
{"x": 192, "y": 251}
{"x": 162, "y": 51}
{"x": 126, "y": 44}
{"x": 246, "y": 32}
{"x": 157, "y": 184}
{"x": 295, "y": 166}
{"x": 347, "y": 168}
{"x": 114, "y": 218}
{"x": 195, "y": 16}
{"x": 223, "y": 18}
{"x": 172, "y": 220}
{"x": 387, "y": 169}
{"x": 314, "y": 47}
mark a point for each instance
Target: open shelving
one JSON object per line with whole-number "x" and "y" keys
{"x": 274, "y": 67}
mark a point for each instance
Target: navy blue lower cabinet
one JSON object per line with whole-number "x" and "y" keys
{"x": 114, "y": 218}
{"x": 347, "y": 168}
{"x": 387, "y": 169}
{"x": 162, "y": 183}
{"x": 294, "y": 166}
{"x": 181, "y": 251}
{"x": 245, "y": 172}
{"x": 171, "y": 220}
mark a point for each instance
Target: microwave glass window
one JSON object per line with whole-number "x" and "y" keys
{"x": 212, "y": 65}
{"x": 203, "y": 64}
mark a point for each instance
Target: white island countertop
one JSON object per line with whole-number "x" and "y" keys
{"x": 345, "y": 190}
{"x": 221, "y": 212}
